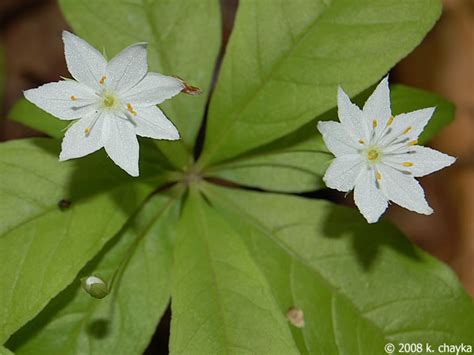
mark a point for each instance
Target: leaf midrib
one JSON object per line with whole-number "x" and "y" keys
{"x": 294, "y": 256}
{"x": 200, "y": 221}
{"x": 139, "y": 239}
{"x": 263, "y": 83}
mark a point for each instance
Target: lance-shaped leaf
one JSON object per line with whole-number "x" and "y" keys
{"x": 221, "y": 302}
{"x": 359, "y": 286}
{"x": 288, "y": 165}
{"x": 298, "y": 161}
{"x": 285, "y": 60}
{"x": 124, "y": 321}
{"x": 55, "y": 217}
{"x": 183, "y": 39}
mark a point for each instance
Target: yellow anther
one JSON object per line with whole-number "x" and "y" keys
{"x": 361, "y": 141}
{"x": 131, "y": 110}
{"x": 407, "y": 164}
{"x": 413, "y": 142}
{"x": 374, "y": 123}
{"x": 102, "y": 80}
{"x": 87, "y": 131}
{"x": 408, "y": 129}
{"x": 73, "y": 98}
{"x": 378, "y": 176}
{"x": 390, "y": 121}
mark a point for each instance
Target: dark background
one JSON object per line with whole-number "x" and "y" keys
{"x": 443, "y": 63}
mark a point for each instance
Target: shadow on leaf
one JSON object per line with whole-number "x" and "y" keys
{"x": 368, "y": 240}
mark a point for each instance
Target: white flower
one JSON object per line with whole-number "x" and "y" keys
{"x": 377, "y": 154}
{"x": 113, "y": 101}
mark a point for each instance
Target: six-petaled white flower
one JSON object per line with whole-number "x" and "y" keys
{"x": 377, "y": 154}
{"x": 113, "y": 102}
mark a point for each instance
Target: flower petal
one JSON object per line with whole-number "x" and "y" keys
{"x": 419, "y": 161}
{"x": 337, "y": 139}
{"x": 127, "y": 68}
{"x": 84, "y": 62}
{"x": 67, "y": 100}
{"x": 151, "y": 122}
{"x": 404, "y": 190}
{"x": 409, "y": 125}
{"x": 153, "y": 90}
{"x": 77, "y": 144}
{"x": 343, "y": 172}
{"x": 377, "y": 107}
{"x": 351, "y": 116}
{"x": 121, "y": 145}
{"x": 368, "y": 197}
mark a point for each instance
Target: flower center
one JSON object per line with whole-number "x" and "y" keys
{"x": 372, "y": 154}
{"x": 109, "y": 100}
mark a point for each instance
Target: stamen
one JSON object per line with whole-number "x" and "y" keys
{"x": 361, "y": 141}
{"x": 378, "y": 176}
{"x": 407, "y": 130}
{"x": 390, "y": 121}
{"x": 102, "y": 80}
{"x": 73, "y": 98}
{"x": 131, "y": 110}
{"x": 374, "y": 123}
{"x": 407, "y": 164}
{"x": 413, "y": 142}
{"x": 88, "y": 130}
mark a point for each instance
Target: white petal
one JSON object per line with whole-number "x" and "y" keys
{"x": 121, "y": 145}
{"x": 351, "y": 116}
{"x": 153, "y": 90}
{"x": 151, "y": 122}
{"x": 404, "y": 190}
{"x": 84, "y": 62}
{"x": 77, "y": 144}
{"x": 343, "y": 172}
{"x": 55, "y": 98}
{"x": 377, "y": 107}
{"x": 368, "y": 197}
{"x": 409, "y": 125}
{"x": 425, "y": 161}
{"x": 127, "y": 68}
{"x": 337, "y": 139}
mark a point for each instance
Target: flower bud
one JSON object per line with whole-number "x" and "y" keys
{"x": 95, "y": 286}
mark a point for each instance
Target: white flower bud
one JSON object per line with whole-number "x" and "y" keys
{"x": 95, "y": 286}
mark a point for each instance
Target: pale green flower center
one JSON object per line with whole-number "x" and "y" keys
{"x": 109, "y": 100}
{"x": 372, "y": 154}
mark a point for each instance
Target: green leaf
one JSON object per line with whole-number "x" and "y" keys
{"x": 5, "y": 351}
{"x": 221, "y": 303}
{"x": 406, "y": 99}
{"x": 32, "y": 116}
{"x": 286, "y": 58}
{"x": 55, "y": 217}
{"x": 298, "y": 161}
{"x": 124, "y": 321}
{"x": 183, "y": 39}
{"x": 288, "y": 165}
{"x": 359, "y": 285}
